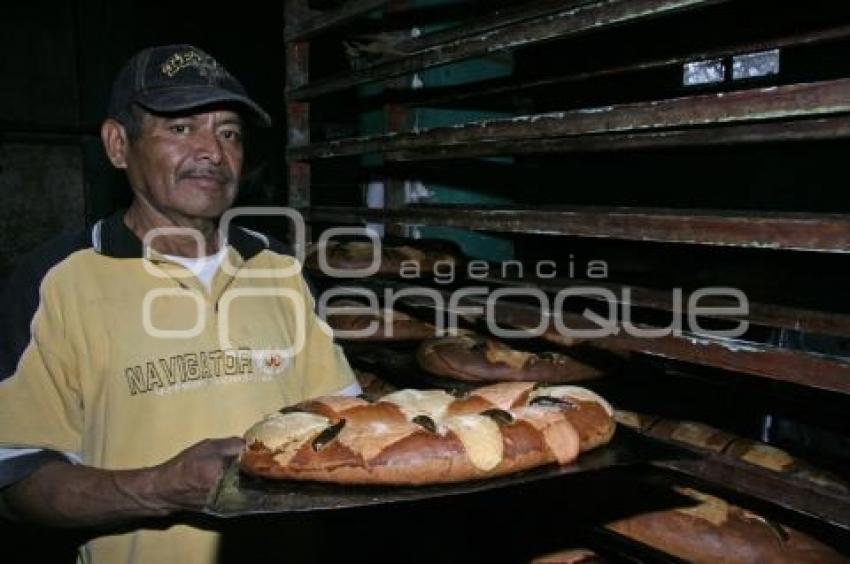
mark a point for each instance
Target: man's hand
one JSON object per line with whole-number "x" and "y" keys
{"x": 68, "y": 495}
{"x": 185, "y": 481}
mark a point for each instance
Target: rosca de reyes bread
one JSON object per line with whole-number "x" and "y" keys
{"x": 428, "y": 436}
{"x": 712, "y": 530}
{"x": 475, "y": 358}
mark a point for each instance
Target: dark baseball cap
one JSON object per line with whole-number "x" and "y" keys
{"x": 177, "y": 78}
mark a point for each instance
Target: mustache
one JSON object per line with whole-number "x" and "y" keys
{"x": 219, "y": 175}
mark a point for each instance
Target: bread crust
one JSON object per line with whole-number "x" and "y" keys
{"x": 420, "y": 458}
{"x": 381, "y": 443}
{"x": 692, "y": 433}
{"x": 716, "y": 531}
{"x": 570, "y": 556}
{"x": 594, "y": 425}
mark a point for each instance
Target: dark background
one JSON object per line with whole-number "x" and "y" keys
{"x": 56, "y": 71}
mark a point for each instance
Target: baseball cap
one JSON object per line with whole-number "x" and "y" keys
{"x": 175, "y": 78}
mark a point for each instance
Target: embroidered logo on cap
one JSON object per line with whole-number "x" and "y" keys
{"x": 206, "y": 65}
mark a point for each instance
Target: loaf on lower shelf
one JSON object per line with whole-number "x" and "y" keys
{"x": 571, "y": 556}
{"x": 713, "y": 531}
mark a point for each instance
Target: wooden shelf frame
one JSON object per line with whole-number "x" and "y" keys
{"x": 507, "y": 35}
{"x": 813, "y": 111}
{"x": 789, "y": 231}
{"x": 770, "y": 362}
{"x": 767, "y": 361}
{"x": 768, "y": 486}
{"x": 510, "y": 86}
{"x": 753, "y": 115}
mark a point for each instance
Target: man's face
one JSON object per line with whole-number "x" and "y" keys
{"x": 187, "y": 167}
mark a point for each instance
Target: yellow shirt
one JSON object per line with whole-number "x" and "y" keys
{"x": 133, "y": 360}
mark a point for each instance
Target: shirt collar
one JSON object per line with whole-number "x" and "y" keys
{"x": 111, "y": 237}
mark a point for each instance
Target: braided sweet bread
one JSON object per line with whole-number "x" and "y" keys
{"x": 422, "y": 437}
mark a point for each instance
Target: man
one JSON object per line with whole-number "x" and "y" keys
{"x": 151, "y": 343}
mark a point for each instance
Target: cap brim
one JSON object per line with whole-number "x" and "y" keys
{"x": 192, "y": 97}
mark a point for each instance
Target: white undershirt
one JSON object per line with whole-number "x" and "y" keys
{"x": 204, "y": 268}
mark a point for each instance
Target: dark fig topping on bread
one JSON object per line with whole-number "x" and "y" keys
{"x": 426, "y": 423}
{"x": 328, "y": 435}
{"x": 500, "y": 416}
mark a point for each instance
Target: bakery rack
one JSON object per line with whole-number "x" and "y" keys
{"x": 733, "y": 114}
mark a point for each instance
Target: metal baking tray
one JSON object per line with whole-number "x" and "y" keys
{"x": 238, "y": 494}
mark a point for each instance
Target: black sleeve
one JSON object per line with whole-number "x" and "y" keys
{"x": 20, "y": 296}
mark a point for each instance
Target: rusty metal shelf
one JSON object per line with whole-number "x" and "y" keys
{"x": 791, "y": 231}
{"x": 504, "y": 35}
{"x": 748, "y": 115}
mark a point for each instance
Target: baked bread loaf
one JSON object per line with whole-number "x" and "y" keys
{"x": 689, "y": 432}
{"x": 570, "y": 556}
{"x": 387, "y": 325}
{"x": 394, "y": 259}
{"x": 712, "y": 530}
{"x": 478, "y": 359}
{"x": 424, "y": 437}
{"x": 778, "y": 460}
{"x": 641, "y": 422}
{"x": 708, "y": 438}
